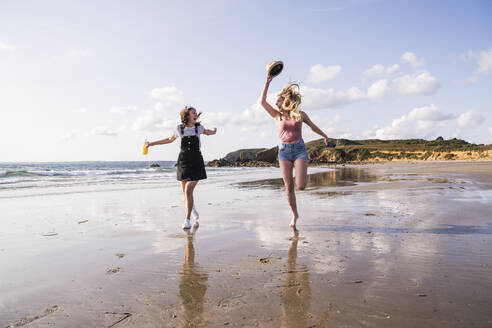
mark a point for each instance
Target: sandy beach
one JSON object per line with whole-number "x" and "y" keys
{"x": 405, "y": 244}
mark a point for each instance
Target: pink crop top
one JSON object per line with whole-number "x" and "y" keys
{"x": 289, "y": 131}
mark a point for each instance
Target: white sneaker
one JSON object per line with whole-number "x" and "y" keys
{"x": 195, "y": 214}
{"x": 194, "y": 228}
{"x": 186, "y": 224}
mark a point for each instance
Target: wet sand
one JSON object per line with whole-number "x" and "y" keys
{"x": 383, "y": 245}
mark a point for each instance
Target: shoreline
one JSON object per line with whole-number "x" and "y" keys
{"x": 354, "y": 163}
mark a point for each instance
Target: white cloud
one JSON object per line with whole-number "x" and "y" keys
{"x": 420, "y": 122}
{"x": 122, "y": 109}
{"x": 250, "y": 119}
{"x": 217, "y": 118}
{"x": 7, "y": 47}
{"x": 380, "y": 69}
{"x": 416, "y": 84}
{"x": 490, "y": 130}
{"x": 392, "y": 68}
{"x": 330, "y": 124}
{"x": 374, "y": 70}
{"x": 167, "y": 94}
{"x": 313, "y": 99}
{"x": 168, "y": 107}
{"x": 81, "y": 110}
{"x": 329, "y": 98}
{"x": 98, "y": 131}
{"x": 319, "y": 73}
{"x": 254, "y": 116}
{"x": 485, "y": 62}
{"x": 428, "y": 113}
{"x": 378, "y": 90}
{"x": 411, "y": 58}
{"x": 426, "y": 122}
{"x": 469, "y": 119}
{"x": 79, "y": 53}
{"x": 165, "y": 113}
{"x": 154, "y": 120}
{"x": 103, "y": 131}
{"x": 70, "y": 136}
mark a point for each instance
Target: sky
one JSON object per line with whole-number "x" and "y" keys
{"x": 91, "y": 80}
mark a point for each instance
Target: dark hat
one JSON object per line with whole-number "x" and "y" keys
{"x": 274, "y": 68}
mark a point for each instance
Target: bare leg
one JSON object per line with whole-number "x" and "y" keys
{"x": 193, "y": 210}
{"x": 301, "y": 165}
{"x": 286, "y": 168}
{"x": 183, "y": 187}
{"x": 188, "y": 192}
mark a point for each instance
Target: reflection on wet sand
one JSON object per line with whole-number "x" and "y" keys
{"x": 296, "y": 293}
{"x": 192, "y": 287}
{"x": 445, "y": 229}
{"x": 338, "y": 178}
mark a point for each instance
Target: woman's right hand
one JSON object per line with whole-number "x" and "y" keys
{"x": 147, "y": 144}
{"x": 269, "y": 79}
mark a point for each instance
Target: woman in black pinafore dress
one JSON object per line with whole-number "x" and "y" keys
{"x": 190, "y": 165}
{"x": 190, "y": 161}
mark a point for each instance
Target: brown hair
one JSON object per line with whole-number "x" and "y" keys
{"x": 184, "y": 115}
{"x": 292, "y": 100}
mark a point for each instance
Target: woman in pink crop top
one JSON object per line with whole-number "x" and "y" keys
{"x": 292, "y": 153}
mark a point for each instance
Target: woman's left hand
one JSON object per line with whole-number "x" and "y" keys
{"x": 326, "y": 140}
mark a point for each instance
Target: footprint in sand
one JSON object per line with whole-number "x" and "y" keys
{"x": 113, "y": 270}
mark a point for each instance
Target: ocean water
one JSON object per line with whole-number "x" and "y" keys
{"x": 35, "y": 179}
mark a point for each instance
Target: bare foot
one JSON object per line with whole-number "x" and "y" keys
{"x": 293, "y": 224}
{"x": 295, "y": 236}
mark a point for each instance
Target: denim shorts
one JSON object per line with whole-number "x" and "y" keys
{"x": 293, "y": 151}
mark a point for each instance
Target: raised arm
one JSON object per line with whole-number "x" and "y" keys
{"x": 210, "y": 132}
{"x": 313, "y": 127}
{"x": 270, "y": 110}
{"x": 161, "y": 142}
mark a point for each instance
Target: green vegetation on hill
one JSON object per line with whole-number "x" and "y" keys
{"x": 438, "y": 144}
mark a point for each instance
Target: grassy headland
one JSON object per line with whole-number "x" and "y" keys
{"x": 370, "y": 150}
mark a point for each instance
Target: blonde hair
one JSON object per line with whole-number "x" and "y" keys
{"x": 292, "y": 100}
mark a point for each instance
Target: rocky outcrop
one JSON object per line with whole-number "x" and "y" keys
{"x": 242, "y": 154}
{"x": 247, "y": 157}
{"x": 219, "y": 162}
{"x": 249, "y": 154}
{"x": 268, "y": 155}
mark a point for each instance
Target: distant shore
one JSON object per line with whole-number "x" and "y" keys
{"x": 339, "y": 151}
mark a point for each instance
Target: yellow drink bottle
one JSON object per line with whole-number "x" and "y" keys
{"x": 145, "y": 150}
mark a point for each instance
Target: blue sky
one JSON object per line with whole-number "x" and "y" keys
{"x": 90, "y": 80}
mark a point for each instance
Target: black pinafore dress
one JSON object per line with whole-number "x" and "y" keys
{"x": 190, "y": 160}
